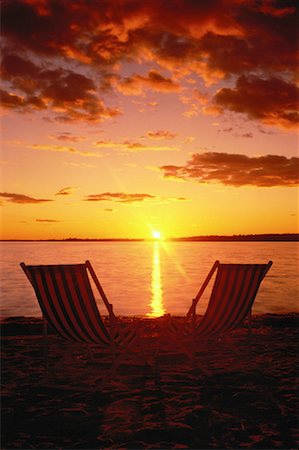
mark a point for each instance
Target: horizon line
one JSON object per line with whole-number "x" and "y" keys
{"x": 235, "y": 237}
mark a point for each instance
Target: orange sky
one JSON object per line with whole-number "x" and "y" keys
{"x": 120, "y": 117}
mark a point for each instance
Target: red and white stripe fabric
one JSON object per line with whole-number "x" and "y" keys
{"x": 233, "y": 293}
{"x": 232, "y": 297}
{"x": 67, "y": 301}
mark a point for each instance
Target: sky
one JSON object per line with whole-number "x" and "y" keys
{"x": 124, "y": 117}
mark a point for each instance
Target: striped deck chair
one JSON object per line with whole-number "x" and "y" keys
{"x": 234, "y": 291}
{"x": 68, "y": 306}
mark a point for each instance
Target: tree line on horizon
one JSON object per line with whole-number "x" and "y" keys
{"x": 284, "y": 237}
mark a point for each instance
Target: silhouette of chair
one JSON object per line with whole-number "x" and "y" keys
{"x": 234, "y": 291}
{"x": 68, "y": 306}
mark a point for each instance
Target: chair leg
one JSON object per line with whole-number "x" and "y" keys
{"x": 114, "y": 365}
{"x": 250, "y": 322}
{"x": 45, "y": 347}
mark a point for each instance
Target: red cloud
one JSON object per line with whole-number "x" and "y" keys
{"x": 136, "y": 84}
{"x": 237, "y": 170}
{"x": 123, "y": 197}
{"x": 65, "y": 191}
{"x": 274, "y": 101}
{"x": 66, "y": 136}
{"x": 47, "y": 220}
{"x": 133, "y": 146}
{"x": 119, "y": 197}
{"x": 13, "y": 101}
{"x": 22, "y": 199}
{"x": 161, "y": 134}
{"x": 71, "y": 93}
{"x": 64, "y": 56}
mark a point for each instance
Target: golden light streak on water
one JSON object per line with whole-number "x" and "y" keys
{"x": 157, "y": 306}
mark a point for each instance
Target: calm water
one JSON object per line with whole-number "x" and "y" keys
{"x": 152, "y": 278}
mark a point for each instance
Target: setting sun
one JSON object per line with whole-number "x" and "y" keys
{"x": 156, "y": 234}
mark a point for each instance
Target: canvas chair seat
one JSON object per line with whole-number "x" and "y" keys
{"x": 230, "y": 305}
{"x": 68, "y": 305}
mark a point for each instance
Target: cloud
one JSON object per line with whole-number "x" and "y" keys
{"x": 189, "y": 139}
{"x": 22, "y": 199}
{"x": 136, "y": 84}
{"x": 240, "y": 54}
{"x": 70, "y": 95}
{"x": 122, "y": 197}
{"x": 47, "y": 220}
{"x": 64, "y": 57}
{"x": 64, "y": 149}
{"x": 13, "y": 101}
{"x": 133, "y": 146}
{"x": 237, "y": 170}
{"x": 119, "y": 197}
{"x": 161, "y": 134}
{"x": 195, "y": 101}
{"x": 69, "y": 137}
{"x": 273, "y": 101}
{"x": 236, "y": 134}
{"x": 66, "y": 191}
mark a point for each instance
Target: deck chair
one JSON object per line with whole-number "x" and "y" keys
{"x": 68, "y": 306}
{"x": 235, "y": 288}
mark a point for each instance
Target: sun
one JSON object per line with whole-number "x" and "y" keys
{"x": 156, "y": 234}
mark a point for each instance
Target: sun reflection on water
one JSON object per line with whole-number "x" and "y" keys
{"x": 157, "y": 307}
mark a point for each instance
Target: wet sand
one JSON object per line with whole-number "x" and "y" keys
{"x": 243, "y": 399}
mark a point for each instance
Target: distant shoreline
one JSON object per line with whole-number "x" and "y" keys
{"x": 291, "y": 237}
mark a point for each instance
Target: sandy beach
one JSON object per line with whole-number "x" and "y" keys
{"x": 230, "y": 400}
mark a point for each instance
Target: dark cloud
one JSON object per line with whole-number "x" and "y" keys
{"x": 273, "y": 101}
{"x": 237, "y": 170}
{"x": 10, "y": 100}
{"x": 63, "y": 55}
{"x": 13, "y": 101}
{"x": 119, "y": 197}
{"x": 123, "y": 197}
{"x": 73, "y": 94}
{"x": 22, "y": 199}
{"x": 45, "y": 27}
{"x": 65, "y": 191}
{"x": 267, "y": 45}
